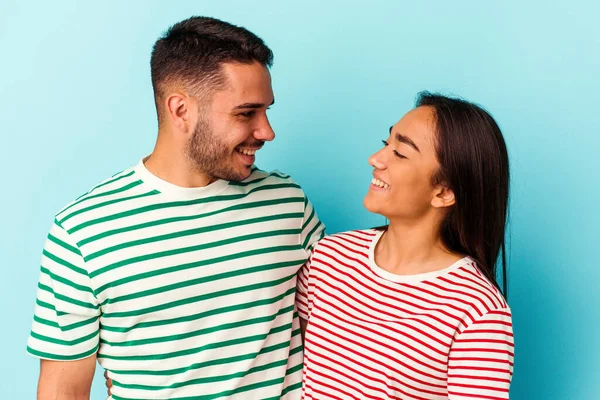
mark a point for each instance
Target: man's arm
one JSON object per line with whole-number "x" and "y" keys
{"x": 66, "y": 380}
{"x": 65, "y": 332}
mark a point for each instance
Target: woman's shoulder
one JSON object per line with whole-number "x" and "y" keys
{"x": 472, "y": 280}
{"x": 355, "y": 239}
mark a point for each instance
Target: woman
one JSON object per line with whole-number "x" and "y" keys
{"x": 413, "y": 310}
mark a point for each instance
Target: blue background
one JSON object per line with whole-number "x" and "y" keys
{"x": 76, "y": 106}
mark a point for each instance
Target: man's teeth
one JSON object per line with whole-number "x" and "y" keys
{"x": 247, "y": 152}
{"x": 380, "y": 184}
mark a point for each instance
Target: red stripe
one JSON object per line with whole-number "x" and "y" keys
{"x": 371, "y": 338}
{"x": 477, "y": 368}
{"x": 490, "y": 331}
{"x": 479, "y": 286}
{"x": 372, "y": 375}
{"x": 367, "y": 239}
{"x": 479, "y": 359}
{"x": 345, "y": 239}
{"x": 377, "y": 334}
{"x": 328, "y": 395}
{"x": 482, "y": 387}
{"x": 482, "y": 350}
{"x": 477, "y": 273}
{"x": 396, "y": 287}
{"x": 491, "y": 321}
{"x": 371, "y": 359}
{"x": 496, "y": 341}
{"x": 477, "y": 295}
{"x": 364, "y": 382}
{"x": 393, "y": 299}
{"x": 394, "y": 316}
{"x": 476, "y": 396}
{"x": 475, "y": 377}
{"x": 354, "y": 251}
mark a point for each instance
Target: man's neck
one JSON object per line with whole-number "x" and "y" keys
{"x": 175, "y": 168}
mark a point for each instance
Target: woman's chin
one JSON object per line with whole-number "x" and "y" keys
{"x": 372, "y": 205}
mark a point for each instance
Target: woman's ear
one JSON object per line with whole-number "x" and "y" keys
{"x": 443, "y": 197}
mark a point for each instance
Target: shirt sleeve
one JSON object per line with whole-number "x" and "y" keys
{"x": 304, "y": 292}
{"x": 312, "y": 228}
{"x": 66, "y": 318}
{"x": 481, "y": 359}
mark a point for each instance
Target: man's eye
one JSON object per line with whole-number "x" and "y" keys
{"x": 247, "y": 114}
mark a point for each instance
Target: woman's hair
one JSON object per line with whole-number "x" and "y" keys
{"x": 473, "y": 163}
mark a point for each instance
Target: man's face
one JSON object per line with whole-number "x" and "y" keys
{"x": 235, "y": 125}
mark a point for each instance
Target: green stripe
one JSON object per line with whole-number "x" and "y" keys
{"x": 65, "y": 281}
{"x": 190, "y": 232}
{"x": 159, "y": 206}
{"x": 66, "y": 327}
{"x": 202, "y": 297}
{"x": 64, "y": 245}
{"x": 200, "y": 332}
{"x": 103, "y": 194}
{"x": 294, "y": 369}
{"x": 65, "y": 298}
{"x": 211, "y": 346}
{"x": 226, "y": 393}
{"x": 79, "y": 324}
{"x": 291, "y": 388}
{"x": 60, "y": 357}
{"x": 211, "y": 363}
{"x": 45, "y": 305}
{"x": 311, "y": 233}
{"x": 310, "y": 217}
{"x": 67, "y": 264}
{"x": 108, "y": 182}
{"x": 205, "y": 279}
{"x": 209, "y": 379}
{"x": 149, "y": 224}
{"x": 272, "y": 174}
{"x": 45, "y": 322}
{"x": 73, "y": 342}
{"x": 107, "y": 203}
{"x": 211, "y": 312}
{"x": 183, "y": 250}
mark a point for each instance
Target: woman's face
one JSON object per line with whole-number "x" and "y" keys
{"x": 402, "y": 185}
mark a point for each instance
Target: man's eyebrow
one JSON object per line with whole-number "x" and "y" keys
{"x": 405, "y": 140}
{"x": 252, "y": 105}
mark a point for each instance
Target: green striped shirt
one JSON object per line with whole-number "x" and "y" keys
{"x": 184, "y": 293}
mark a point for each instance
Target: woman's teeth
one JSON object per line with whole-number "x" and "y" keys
{"x": 380, "y": 184}
{"x": 247, "y": 152}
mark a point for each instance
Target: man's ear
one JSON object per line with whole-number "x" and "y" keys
{"x": 181, "y": 111}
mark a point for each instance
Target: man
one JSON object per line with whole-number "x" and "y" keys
{"x": 178, "y": 275}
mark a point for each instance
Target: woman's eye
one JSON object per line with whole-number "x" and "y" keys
{"x": 399, "y": 155}
{"x": 385, "y": 144}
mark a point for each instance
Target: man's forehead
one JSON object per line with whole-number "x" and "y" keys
{"x": 246, "y": 84}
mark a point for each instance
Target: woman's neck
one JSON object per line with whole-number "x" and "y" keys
{"x": 409, "y": 249}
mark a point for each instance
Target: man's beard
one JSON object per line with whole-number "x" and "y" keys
{"x": 210, "y": 155}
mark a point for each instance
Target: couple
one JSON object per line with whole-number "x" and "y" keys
{"x": 195, "y": 275}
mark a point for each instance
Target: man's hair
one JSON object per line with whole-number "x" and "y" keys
{"x": 190, "y": 54}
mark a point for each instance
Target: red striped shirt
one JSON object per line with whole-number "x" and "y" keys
{"x": 376, "y": 335}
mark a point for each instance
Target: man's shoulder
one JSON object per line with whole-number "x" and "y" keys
{"x": 274, "y": 178}
{"x": 108, "y": 191}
